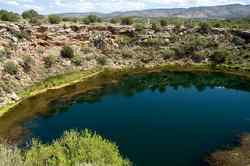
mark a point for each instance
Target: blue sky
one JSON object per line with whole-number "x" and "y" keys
{"x": 57, "y": 6}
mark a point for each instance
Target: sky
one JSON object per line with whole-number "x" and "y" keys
{"x": 105, "y": 6}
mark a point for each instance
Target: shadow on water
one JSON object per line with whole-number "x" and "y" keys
{"x": 95, "y": 90}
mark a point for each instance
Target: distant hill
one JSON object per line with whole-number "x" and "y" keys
{"x": 209, "y": 12}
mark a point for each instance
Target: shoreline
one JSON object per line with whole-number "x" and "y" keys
{"x": 71, "y": 78}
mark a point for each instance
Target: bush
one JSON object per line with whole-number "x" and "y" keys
{"x": 127, "y": 20}
{"x": 205, "y": 27}
{"x": 127, "y": 52}
{"x": 27, "y": 63}
{"x": 115, "y": 20}
{"x": 70, "y": 19}
{"x": 49, "y": 61}
{"x": 73, "y": 148}
{"x": 156, "y": 27}
{"x": 219, "y": 56}
{"x": 8, "y": 16}
{"x": 29, "y": 14}
{"x": 54, "y": 19}
{"x": 91, "y": 19}
{"x": 11, "y": 68}
{"x": 101, "y": 60}
{"x": 67, "y": 52}
{"x": 139, "y": 26}
{"x": 167, "y": 53}
{"x": 77, "y": 60}
{"x": 163, "y": 22}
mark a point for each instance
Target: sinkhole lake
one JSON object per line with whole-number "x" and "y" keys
{"x": 156, "y": 118}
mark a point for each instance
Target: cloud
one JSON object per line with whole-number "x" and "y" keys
{"x": 57, "y": 6}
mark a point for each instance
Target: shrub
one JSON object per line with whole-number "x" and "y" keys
{"x": 219, "y": 56}
{"x": 127, "y": 20}
{"x": 29, "y": 14}
{"x": 205, "y": 27}
{"x": 8, "y": 16}
{"x": 101, "y": 60}
{"x": 27, "y": 63}
{"x": 49, "y": 61}
{"x": 54, "y": 19}
{"x": 21, "y": 35}
{"x": 139, "y": 26}
{"x": 163, "y": 22}
{"x": 91, "y": 19}
{"x": 73, "y": 148}
{"x": 67, "y": 52}
{"x": 167, "y": 53}
{"x": 156, "y": 27}
{"x": 11, "y": 68}
{"x": 127, "y": 52}
{"x": 77, "y": 60}
{"x": 115, "y": 20}
{"x": 70, "y": 19}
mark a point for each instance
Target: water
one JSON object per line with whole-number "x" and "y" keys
{"x": 158, "y": 119}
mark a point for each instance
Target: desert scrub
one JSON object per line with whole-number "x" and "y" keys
{"x": 27, "y": 63}
{"x": 67, "y": 52}
{"x": 127, "y": 52}
{"x": 49, "y": 61}
{"x": 127, "y": 20}
{"x": 54, "y": 19}
{"x": 101, "y": 60}
{"x": 167, "y": 53}
{"x": 72, "y": 149}
{"x": 11, "y": 68}
{"x": 77, "y": 60}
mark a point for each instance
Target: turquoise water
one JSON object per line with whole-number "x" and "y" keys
{"x": 156, "y": 119}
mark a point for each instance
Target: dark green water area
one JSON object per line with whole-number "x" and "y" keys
{"x": 156, "y": 118}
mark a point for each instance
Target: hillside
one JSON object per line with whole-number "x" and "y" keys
{"x": 211, "y": 12}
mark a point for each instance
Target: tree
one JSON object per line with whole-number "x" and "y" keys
{"x": 163, "y": 22}
{"x": 114, "y": 20}
{"x": 54, "y": 19}
{"x": 29, "y": 14}
{"x": 91, "y": 19}
{"x": 8, "y": 16}
{"x": 127, "y": 20}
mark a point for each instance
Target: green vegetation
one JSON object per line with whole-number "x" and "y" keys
{"x": 127, "y": 20}
{"x": 54, "y": 19}
{"x": 67, "y": 52}
{"x": 74, "y": 148}
{"x": 27, "y": 63}
{"x": 29, "y": 14}
{"x": 11, "y": 68}
{"x": 115, "y": 20}
{"x": 91, "y": 19}
{"x": 163, "y": 22}
{"x": 9, "y": 16}
{"x": 49, "y": 61}
{"x": 219, "y": 56}
{"x": 77, "y": 60}
{"x": 101, "y": 60}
